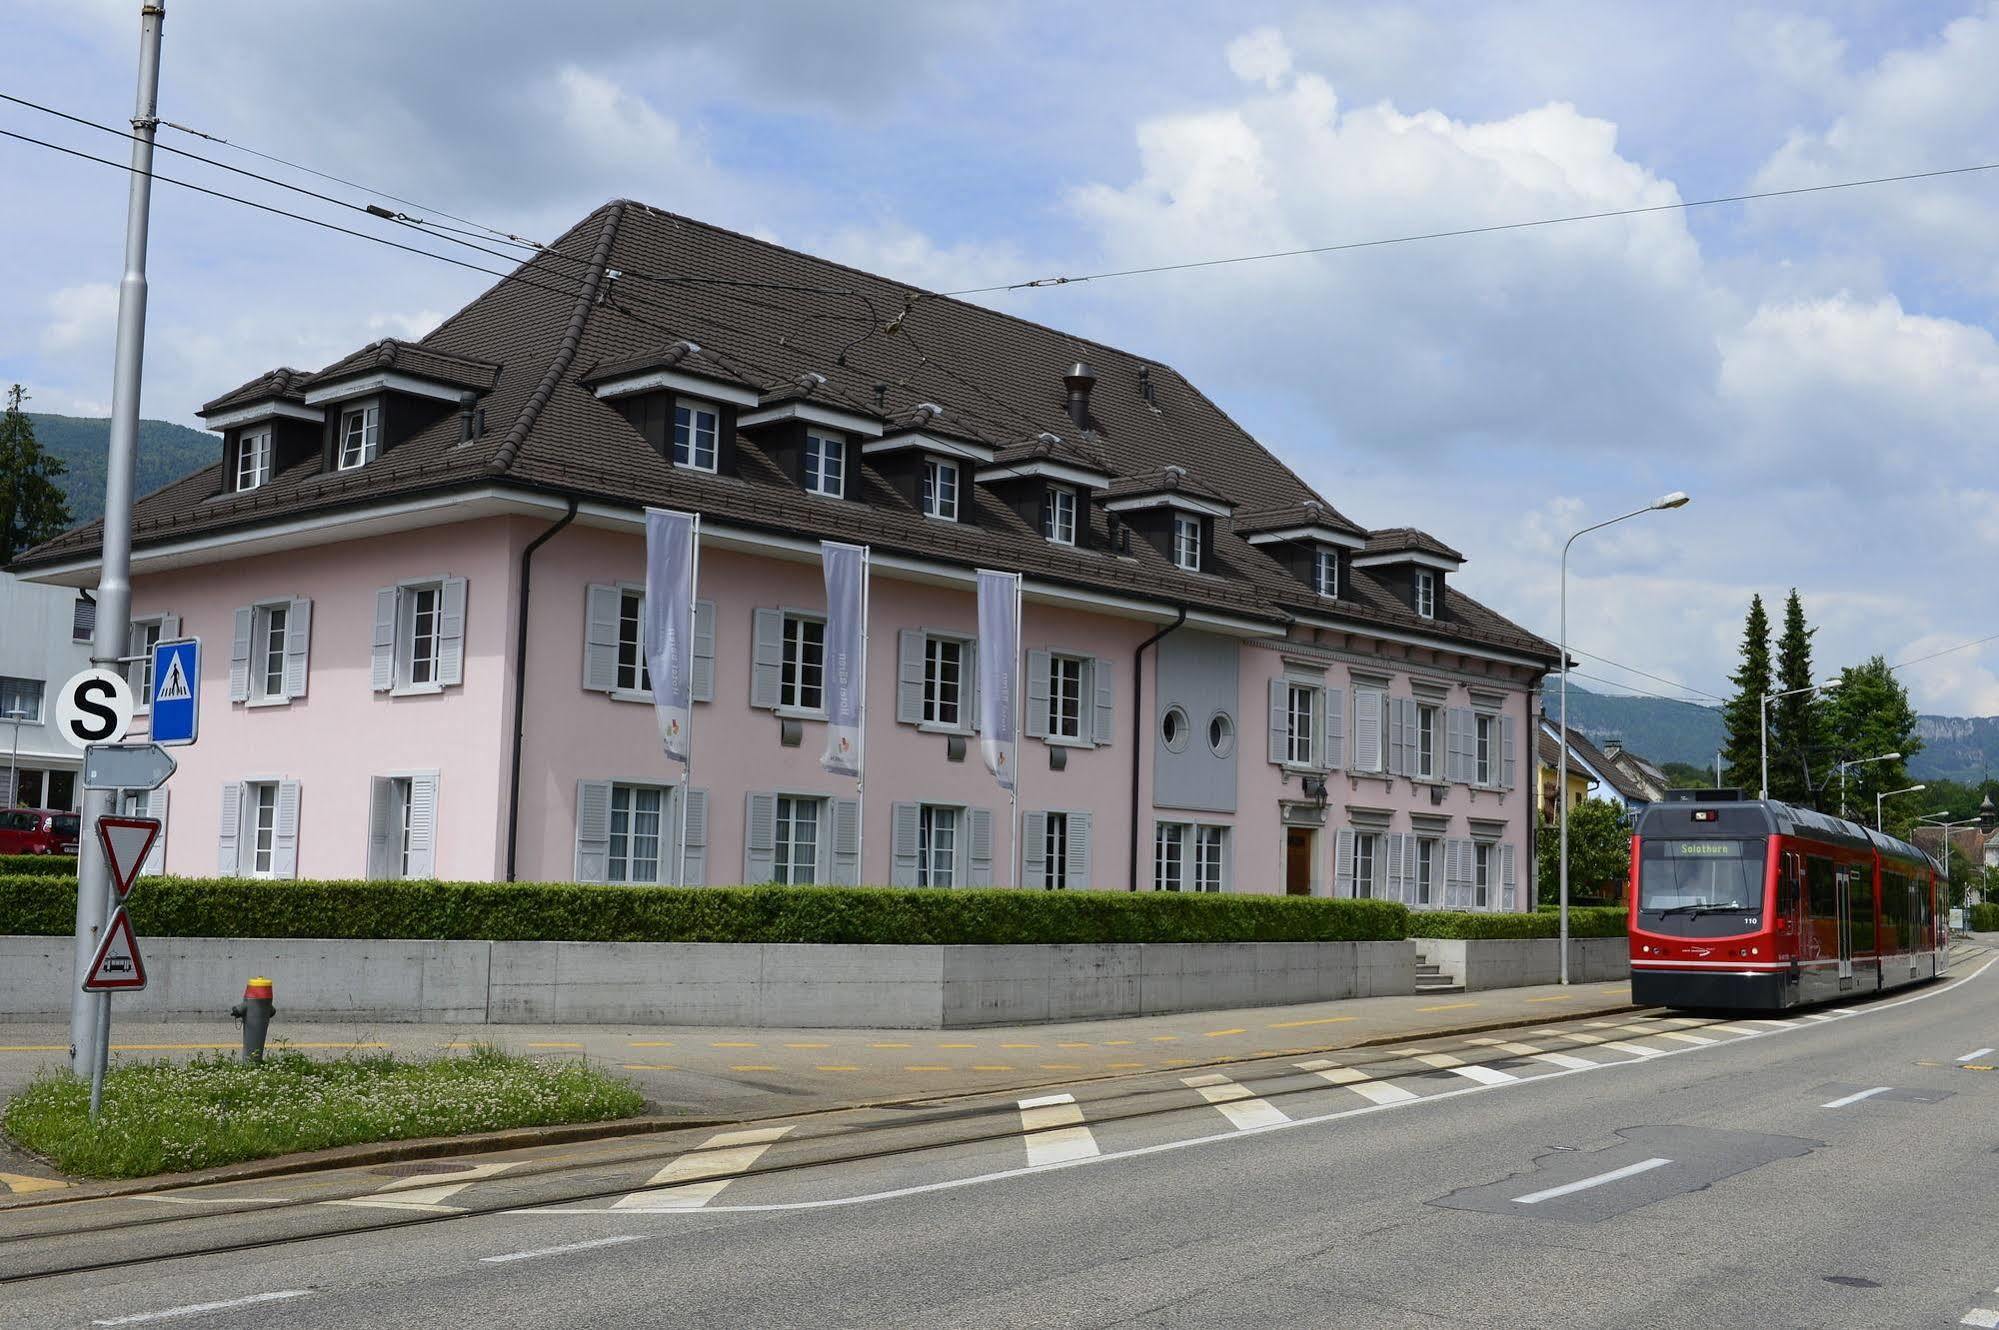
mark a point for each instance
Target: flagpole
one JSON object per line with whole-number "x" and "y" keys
{"x": 861, "y": 738}
{"x": 687, "y": 765}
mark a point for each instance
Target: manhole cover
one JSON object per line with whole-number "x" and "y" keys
{"x": 422, "y": 1168}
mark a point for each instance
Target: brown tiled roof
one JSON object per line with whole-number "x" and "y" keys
{"x": 414, "y": 359}
{"x": 1173, "y": 478}
{"x": 1047, "y": 447}
{"x": 629, "y": 281}
{"x": 1309, "y": 513}
{"x": 1400, "y": 539}
{"x": 283, "y": 385}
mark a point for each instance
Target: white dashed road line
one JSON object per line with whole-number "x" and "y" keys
{"x": 696, "y": 1178}
{"x": 199, "y": 1308}
{"x": 563, "y": 1250}
{"x": 1978, "y": 1316}
{"x": 1857, "y": 1097}
{"x": 428, "y": 1191}
{"x": 1567, "y": 1061}
{"x": 1237, "y": 1103}
{"x": 1054, "y": 1129}
{"x": 1974, "y": 1055}
{"x": 1569, "y": 1188}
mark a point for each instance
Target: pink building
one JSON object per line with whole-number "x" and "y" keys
{"x": 418, "y": 576}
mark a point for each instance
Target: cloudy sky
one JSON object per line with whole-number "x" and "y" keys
{"x": 1819, "y": 371}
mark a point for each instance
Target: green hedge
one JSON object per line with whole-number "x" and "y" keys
{"x": 243, "y": 907}
{"x": 1984, "y": 918}
{"x": 1591, "y": 921}
{"x": 37, "y": 865}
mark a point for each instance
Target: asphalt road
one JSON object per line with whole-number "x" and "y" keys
{"x": 1831, "y": 1169}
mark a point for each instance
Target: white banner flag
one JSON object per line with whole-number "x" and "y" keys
{"x": 999, "y": 661}
{"x": 671, "y": 554}
{"x": 846, "y": 655}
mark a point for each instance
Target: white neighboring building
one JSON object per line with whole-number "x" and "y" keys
{"x": 44, "y": 638}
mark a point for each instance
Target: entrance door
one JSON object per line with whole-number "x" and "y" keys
{"x": 1298, "y": 843}
{"x": 1845, "y": 928}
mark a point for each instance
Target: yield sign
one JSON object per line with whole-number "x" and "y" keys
{"x": 116, "y": 966}
{"x": 126, "y": 842}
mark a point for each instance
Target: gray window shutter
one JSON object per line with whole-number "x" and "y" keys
{"x": 382, "y": 671}
{"x": 602, "y": 607}
{"x": 1377, "y": 870}
{"x": 298, "y": 646}
{"x": 1509, "y": 887}
{"x": 767, "y": 659}
{"x": 1078, "y": 877}
{"x": 1034, "y": 724}
{"x": 759, "y": 838}
{"x": 156, "y": 858}
{"x": 232, "y": 827}
{"x": 284, "y": 838}
{"x": 1454, "y": 746}
{"x": 169, "y": 628}
{"x": 909, "y": 677}
{"x": 694, "y": 835}
{"x": 423, "y": 826}
{"x": 905, "y": 827}
{"x": 1394, "y": 843}
{"x": 703, "y": 681}
{"x": 1280, "y": 717}
{"x": 593, "y": 830}
{"x": 1465, "y": 868}
{"x": 7, "y": 788}
{"x": 239, "y": 654}
{"x": 1366, "y": 730}
{"x": 978, "y": 847}
{"x": 381, "y": 817}
{"x": 1333, "y": 707}
{"x": 1508, "y": 773}
{"x": 1401, "y": 736}
{"x": 846, "y": 838}
{"x": 1343, "y": 863}
{"x": 1033, "y": 848}
{"x": 451, "y": 632}
{"x": 1103, "y": 681}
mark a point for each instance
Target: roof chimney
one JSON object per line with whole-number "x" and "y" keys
{"x": 1079, "y": 380}
{"x": 466, "y": 401}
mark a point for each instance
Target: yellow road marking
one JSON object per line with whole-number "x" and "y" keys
{"x": 554, "y": 1045}
{"x": 1123, "y": 1066}
{"x": 1118, "y": 1043}
{"x": 1166, "y": 1039}
{"x": 166, "y": 1048}
{"x": 289, "y": 1044}
{"x": 836, "y": 1069}
{"x": 926, "y": 1067}
{"x": 990, "y": 1066}
{"x": 1317, "y": 1020}
{"x": 808, "y": 1045}
{"x": 649, "y": 1066}
{"x": 1558, "y": 997}
{"x": 652, "y": 1043}
{"x": 1216, "y": 1034}
{"x": 1448, "y": 1006}
{"x": 751, "y": 1066}
{"x": 888, "y": 1045}
{"x": 34, "y": 1048}
{"x": 1020, "y": 1045}
{"x": 20, "y": 1183}
{"x": 734, "y": 1044}
{"x": 1061, "y": 1066}
{"x": 1072, "y": 1045}
{"x": 957, "y": 1045}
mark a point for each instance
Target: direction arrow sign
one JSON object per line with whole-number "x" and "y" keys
{"x": 126, "y": 842}
{"x": 126, "y": 767}
{"x": 116, "y": 967}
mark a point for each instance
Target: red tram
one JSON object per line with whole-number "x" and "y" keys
{"x": 1758, "y": 905}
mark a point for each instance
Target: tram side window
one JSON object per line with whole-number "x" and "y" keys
{"x": 1787, "y": 887}
{"x": 1894, "y": 911}
{"x": 1822, "y": 888}
{"x": 1861, "y": 903}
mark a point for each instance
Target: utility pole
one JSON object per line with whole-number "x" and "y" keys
{"x": 90, "y": 1013}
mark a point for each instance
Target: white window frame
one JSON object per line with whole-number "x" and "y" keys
{"x": 1368, "y": 850}
{"x": 1211, "y": 857}
{"x": 1058, "y": 731}
{"x": 267, "y": 658}
{"x": 792, "y": 814}
{"x": 935, "y": 469}
{"x": 1326, "y": 572}
{"x": 358, "y": 452}
{"x": 1059, "y": 520}
{"x": 934, "y": 700}
{"x": 1169, "y": 855}
{"x": 1302, "y": 703}
{"x": 253, "y": 458}
{"x": 1190, "y": 856}
{"x": 822, "y": 449}
{"x": 619, "y": 858}
{"x": 696, "y": 411}
{"x": 409, "y": 611}
{"x": 631, "y": 614}
{"x": 1186, "y": 542}
{"x": 1482, "y": 865}
{"x": 938, "y": 829}
{"x": 1485, "y": 738}
{"x": 149, "y": 632}
{"x": 1423, "y": 872}
{"x": 791, "y": 684}
{"x": 260, "y": 841}
{"x": 1426, "y": 593}
{"x": 1429, "y": 726}
{"x": 41, "y": 687}
{"x": 1054, "y": 850}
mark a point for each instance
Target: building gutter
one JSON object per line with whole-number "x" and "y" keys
{"x": 1139, "y": 729}
{"x": 521, "y": 682}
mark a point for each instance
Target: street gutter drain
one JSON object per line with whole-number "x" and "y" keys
{"x": 421, "y": 1168}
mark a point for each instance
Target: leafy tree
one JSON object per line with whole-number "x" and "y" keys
{"x": 32, "y": 508}
{"x": 1599, "y": 854}
{"x": 1687, "y": 776}
{"x": 1794, "y": 720}
{"x": 1868, "y": 715}
{"x": 1741, "y": 716}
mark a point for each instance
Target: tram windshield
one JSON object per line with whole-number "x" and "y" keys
{"x": 1700, "y": 876}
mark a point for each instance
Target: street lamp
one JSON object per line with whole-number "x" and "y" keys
{"x": 1763, "y": 726}
{"x": 1677, "y": 499}
{"x": 1889, "y": 794}
{"x": 1936, "y": 819}
{"x": 1859, "y": 762}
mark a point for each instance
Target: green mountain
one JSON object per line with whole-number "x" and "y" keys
{"x": 166, "y": 453}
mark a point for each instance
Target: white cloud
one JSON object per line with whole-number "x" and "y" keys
{"x": 1260, "y": 57}
{"x": 82, "y": 316}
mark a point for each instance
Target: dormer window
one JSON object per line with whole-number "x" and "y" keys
{"x": 1426, "y": 593}
{"x": 1326, "y": 572}
{"x": 360, "y": 436}
{"x": 1187, "y": 542}
{"x": 825, "y": 464}
{"x": 1058, "y": 517}
{"x": 253, "y": 459}
{"x": 940, "y": 489}
{"x": 697, "y": 432}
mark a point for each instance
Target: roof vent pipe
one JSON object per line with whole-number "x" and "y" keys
{"x": 1079, "y": 380}
{"x": 1145, "y": 385}
{"x": 465, "y": 401}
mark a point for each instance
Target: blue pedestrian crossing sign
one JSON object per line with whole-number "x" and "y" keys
{"x": 176, "y": 699}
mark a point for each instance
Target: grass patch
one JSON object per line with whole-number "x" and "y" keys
{"x": 169, "y": 1117}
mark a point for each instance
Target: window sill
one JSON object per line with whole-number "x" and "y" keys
{"x": 1065, "y": 741}
{"x": 940, "y": 517}
{"x": 416, "y": 689}
{"x": 267, "y": 702}
{"x": 801, "y": 713}
{"x": 932, "y": 727}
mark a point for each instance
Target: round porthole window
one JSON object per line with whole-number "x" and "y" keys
{"x": 1174, "y": 729}
{"x": 1221, "y": 734}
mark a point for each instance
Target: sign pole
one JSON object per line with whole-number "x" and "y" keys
{"x": 89, "y": 1021}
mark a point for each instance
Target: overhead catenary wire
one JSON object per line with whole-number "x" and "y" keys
{"x": 1656, "y": 678}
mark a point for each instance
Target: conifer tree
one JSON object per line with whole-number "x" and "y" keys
{"x": 1740, "y": 751}
{"x": 1795, "y": 745}
{"x": 32, "y": 506}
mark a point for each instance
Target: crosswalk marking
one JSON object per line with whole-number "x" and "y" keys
{"x": 1982, "y": 1317}
{"x": 1576, "y": 1035}
{"x": 1507, "y": 1046}
{"x": 1054, "y": 1129}
{"x": 1484, "y": 1075}
{"x": 425, "y": 1191}
{"x": 1762, "y": 1020}
{"x": 1565, "y": 1060}
{"x": 1736, "y": 1027}
{"x": 1441, "y": 1061}
{"x": 1381, "y": 1092}
{"x": 1334, "y": 1072}
{"x": 696, "y": 1178}
{"x": 1237, "y": 1103}
{"x": 1362, "y": 1084}
{"x": 1684, "y": 1037}
{"x": 1640, "y": 1049}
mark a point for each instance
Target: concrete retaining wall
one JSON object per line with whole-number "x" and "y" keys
{"x": 1519, "y": 962}
{"x": 781, "y": 985}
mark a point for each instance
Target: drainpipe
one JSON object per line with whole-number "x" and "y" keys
{"x": 1140, "y": 729}
{"x": 521, "y": 682}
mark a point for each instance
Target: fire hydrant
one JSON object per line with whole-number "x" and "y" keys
{"x": 255, "y": 1011}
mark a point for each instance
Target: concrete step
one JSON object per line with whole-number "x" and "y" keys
{"x": 1444, "y": 985}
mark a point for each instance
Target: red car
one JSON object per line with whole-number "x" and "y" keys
{"x": 38, "y": 831}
